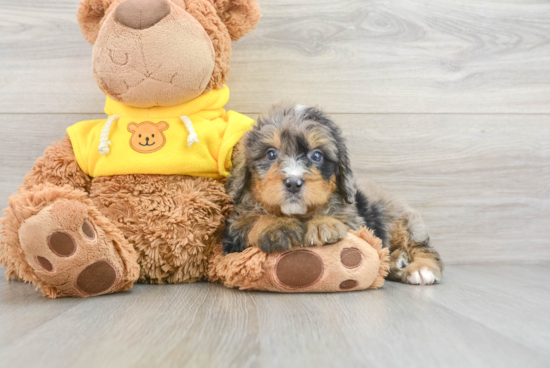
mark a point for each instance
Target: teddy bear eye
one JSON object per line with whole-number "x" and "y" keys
{"x": 140, "y": 135}
{"x": 153, "y": 136}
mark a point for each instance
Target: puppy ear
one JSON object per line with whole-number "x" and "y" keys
{"x": 240, "y": 175}
{"x": 90, "y": 16}
{"x": 239, "y": 16}
{"x": 345, "y": 181}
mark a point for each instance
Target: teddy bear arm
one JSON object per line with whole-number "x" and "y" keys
{"x": 59, "y": 167}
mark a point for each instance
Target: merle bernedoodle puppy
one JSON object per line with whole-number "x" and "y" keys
{"x": 292, "y": 186}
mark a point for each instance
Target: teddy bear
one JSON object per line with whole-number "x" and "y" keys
{"x": 139, "y": 196}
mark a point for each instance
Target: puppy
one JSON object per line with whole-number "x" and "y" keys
{"x": 292, "y": 186}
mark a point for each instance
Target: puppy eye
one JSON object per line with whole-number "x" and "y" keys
{"x": 316, "y": 156}
{"x": 153, "y": 136}
{"x": 140, "y": 135}
{"x": 272, "y": 154}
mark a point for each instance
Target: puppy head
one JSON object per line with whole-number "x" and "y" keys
{"x": 293, "y": 161}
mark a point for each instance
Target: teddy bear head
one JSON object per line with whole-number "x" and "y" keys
{"x": 163, "y": 52}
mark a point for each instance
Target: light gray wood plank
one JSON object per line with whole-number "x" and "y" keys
{"x": 206, "y": 325}
{"x": 348, "y": 56}
{"x": 519, "y": 292}
{"x": 19, "y": 149}
{"x": 16, "y": 297}
{"x": 45, "y": 64}
{"x": 482, "y": 182}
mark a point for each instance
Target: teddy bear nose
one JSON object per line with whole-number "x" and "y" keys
{"x": 141, "y": 14}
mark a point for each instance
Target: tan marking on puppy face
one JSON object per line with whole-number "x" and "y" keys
{"x": 276, "y": 140}
{"x": 318, "y": 139}
{"x": 317, "y": 190}
{"x": 147, "y": 137}
{"x": 269, "y": 191}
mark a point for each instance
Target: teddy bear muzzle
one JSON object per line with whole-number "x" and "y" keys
{"x": 141, "y": 14}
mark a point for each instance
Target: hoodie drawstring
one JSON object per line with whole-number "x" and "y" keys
{"x": 104, "y": 141}
{"x": 192, "y": 137}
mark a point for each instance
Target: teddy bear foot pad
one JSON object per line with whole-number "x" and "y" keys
{"x": 305, "y": 268}
{"x": 69, "y": 252}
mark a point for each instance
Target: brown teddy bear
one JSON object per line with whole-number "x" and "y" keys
{"x": 139, "y": 196}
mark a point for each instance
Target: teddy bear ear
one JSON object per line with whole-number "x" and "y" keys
{"x": 90, "y": 14}
{"x": 239, "y": 16}
{"x": 162, "y": 125}
{"x": 132, "y": 127}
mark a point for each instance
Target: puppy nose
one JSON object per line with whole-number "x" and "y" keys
{"x": 147, "y": 139}
{"x": 293, "y": 185}
{"x": 141, "y": 14}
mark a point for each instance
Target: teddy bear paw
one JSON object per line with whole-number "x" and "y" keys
{"x": 69, "y": 252}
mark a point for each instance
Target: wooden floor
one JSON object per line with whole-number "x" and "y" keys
{"x": 445, "y": 103}
{"x": 480, "y": 316}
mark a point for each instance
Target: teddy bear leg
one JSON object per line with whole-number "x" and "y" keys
{"x": 56, "y": 239}
{"x": 357, "y": 262}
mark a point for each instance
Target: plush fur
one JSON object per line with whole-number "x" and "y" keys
{"x": 172, "y": 221}
{"x": 293, "y": 186}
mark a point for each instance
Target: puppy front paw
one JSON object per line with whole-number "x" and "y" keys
{"x": 284, "y": 234}
{"x": 324, "y": 230}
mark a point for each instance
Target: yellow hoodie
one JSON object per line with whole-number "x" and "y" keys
{"x": 195, "y": 138}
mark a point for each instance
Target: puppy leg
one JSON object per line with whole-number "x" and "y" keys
{"x": 412, "y": 262}
{"x": 270, "y": 233}
{"x": 323, "y": 230}
{"x": 237, "y": 229}
{"x": 277, "y": 234}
